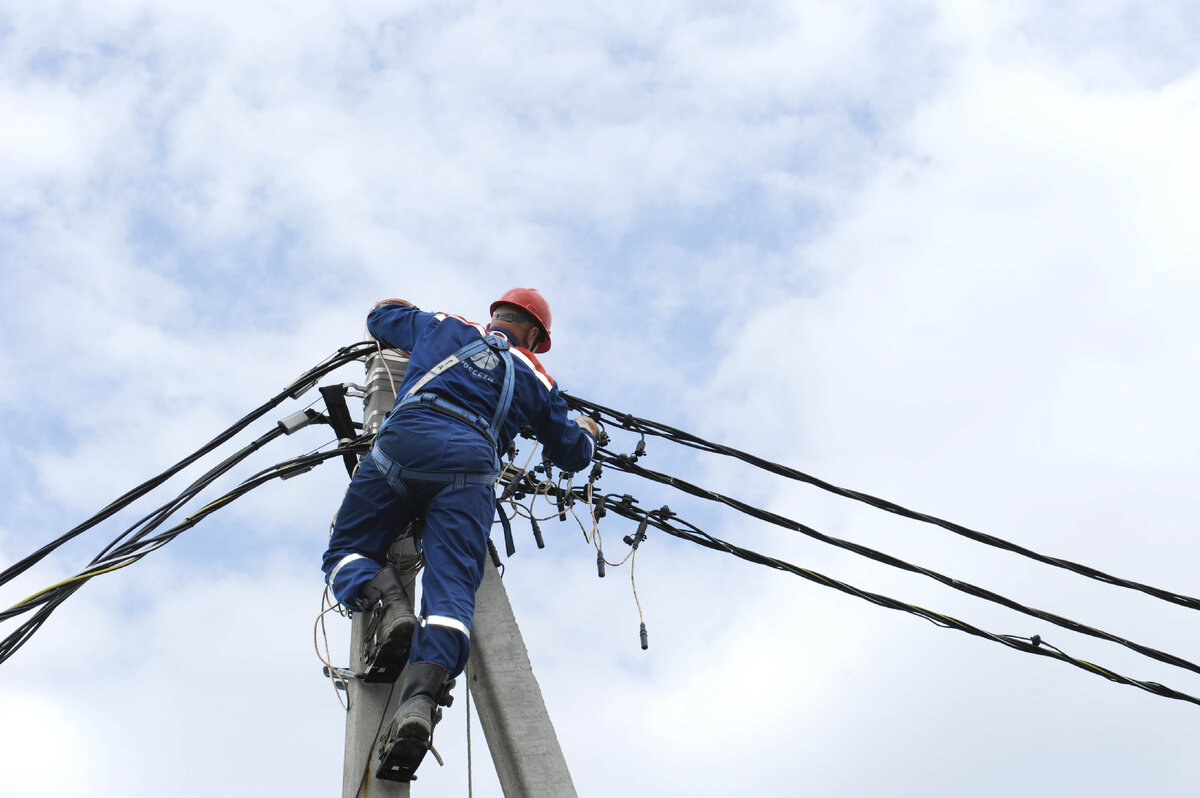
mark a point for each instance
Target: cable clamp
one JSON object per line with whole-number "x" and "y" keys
{"x": 341, "y": 676}
{"x": 300, "y": 419}
{"x": 299, "y": 387}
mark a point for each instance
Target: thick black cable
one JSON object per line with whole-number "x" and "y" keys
{"x": 298, "y": 386}
{"x": 54, "y": 597}
{"x": 1030, "y": 645}
{"x": 140, "y": 529}
{"x": 624, "y": 463}
{"x": 646, "y": 427}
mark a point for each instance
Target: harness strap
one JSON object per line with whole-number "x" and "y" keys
{"x": 489, "y": 429}
{"x": 444, "y": 406}
{"x": 509, "y": 545}
{"x": 392, "y": 470}
{"x": 457, "y": 479}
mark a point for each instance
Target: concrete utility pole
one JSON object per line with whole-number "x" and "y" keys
{"x": 515, "y": 722}
{"x": 524, "y": 747}
{"x": 372, "y": 705}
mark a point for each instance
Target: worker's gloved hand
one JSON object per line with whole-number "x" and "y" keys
{"x": 589, "y": 425}
{"x": 383, "y": 302}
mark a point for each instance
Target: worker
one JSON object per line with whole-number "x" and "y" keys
{"x": 467, "y": 391}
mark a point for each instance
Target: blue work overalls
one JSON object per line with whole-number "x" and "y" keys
{"x": 434, "y": 463}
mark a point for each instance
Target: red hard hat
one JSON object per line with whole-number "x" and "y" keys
{"x": 531, "y": 301}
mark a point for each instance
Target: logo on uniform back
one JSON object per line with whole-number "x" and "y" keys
{"x": 486, "y": 360}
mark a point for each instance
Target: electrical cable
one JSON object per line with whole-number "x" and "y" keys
{"x": 625, "y": 464}
{"x": 519, "y": 484}
{"x": 298, "y": 386}
{"x": 50, "y": 598}
{"x": 646, "y": 427}
{"x": 1029, "y": 645}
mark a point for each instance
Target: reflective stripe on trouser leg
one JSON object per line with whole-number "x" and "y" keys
{"x": 442, "y": 620}
{"x": 342, "y": 563}
{"x": 366, "y": 524}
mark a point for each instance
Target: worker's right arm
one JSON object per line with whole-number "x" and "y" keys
{"x": 396, "y": 323}
{"x": 383, "y": 302}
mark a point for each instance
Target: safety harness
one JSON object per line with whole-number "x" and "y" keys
{"x": 490, "y": 429}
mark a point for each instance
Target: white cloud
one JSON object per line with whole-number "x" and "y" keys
{"x": 939, "y": 252}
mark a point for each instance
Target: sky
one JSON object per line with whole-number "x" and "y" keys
{"x": 940, "y": 252}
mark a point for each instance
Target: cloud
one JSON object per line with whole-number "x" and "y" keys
{"x": 939, "y": 252}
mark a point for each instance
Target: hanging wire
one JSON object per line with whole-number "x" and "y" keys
{"x": 328, "y": 606}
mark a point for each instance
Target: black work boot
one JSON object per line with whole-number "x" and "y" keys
{"x": 389, "y": 630}
{"x": 403, "y": 744}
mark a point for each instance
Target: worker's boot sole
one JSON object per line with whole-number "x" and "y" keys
{"x": 401, "y": 752}
{"x": 383, "y": 660}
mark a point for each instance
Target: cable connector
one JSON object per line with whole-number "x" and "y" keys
{"x": 300, "y": 419}
{"x": 511, "y": 487}
{"x": 600, "y": 564}
{"x": 537, "y": 533}
{"x": 636, "y": 538}
{"x": 291, "y": 474}
{"x": 645, "y": 637}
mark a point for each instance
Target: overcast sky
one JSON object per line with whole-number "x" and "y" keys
{"x": 942, "y": 252}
